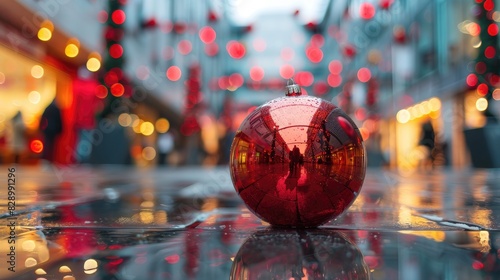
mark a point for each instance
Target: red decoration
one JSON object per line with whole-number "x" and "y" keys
{"x": 298, "y": 160}
{"x": 149, "y": 24}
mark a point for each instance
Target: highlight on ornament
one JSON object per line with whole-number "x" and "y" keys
{"x": 298, "y": 161}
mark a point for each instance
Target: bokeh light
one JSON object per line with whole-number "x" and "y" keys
{"x": 471, "y": 80}
{"x": 184, "y": 47}
{"x": 36, "y": 146}
{"x": 482, "y": 89}
{"x": 117, "y": 89}
{"x": 116, "y": 51}
{"x": 118, "y": 17}
{"x": 148, "y": 153}
{"x": 481, "y": 104}
{"x": 335, "y": 67}
{"x": 235, "y": 49}
{"x": 162, "y": 125}
{"x": 174, "y": 73}
{"x": 124, "y": 119}
{"x": 207, "y": 34}
{"x": 366, "y": 11}
{"x": 44, "y": 34}
{"x": 256, "y": 73}
{"x": 403, "y": 116}
{"x": 315, "y": 55}
{"x": 364, "y": 75}
{"x": 93, "y": 64}
{"x": 101, "y": 91}
{"x": 34, "y": 97}
{"x": 37, "y": 71}
{"x": 147, "y": 128}
{"x": 287, "y": 71}
{"x": 334, "y": 80}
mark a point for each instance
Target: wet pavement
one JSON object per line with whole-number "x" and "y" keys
{"x": 188, "y": 223}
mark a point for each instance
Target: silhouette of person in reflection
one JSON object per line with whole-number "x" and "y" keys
{"x": 427, "y": 141}
{"x": 51, "y": 127}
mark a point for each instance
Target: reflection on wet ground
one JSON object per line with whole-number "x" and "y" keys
{"x": 190, "y": 224}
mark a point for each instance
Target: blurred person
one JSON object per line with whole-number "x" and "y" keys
{"x": 427, "y": 142}
{"x": 51, "y": 127}
{"x": 17, "y": 141}
{"x": 165, "y": 146}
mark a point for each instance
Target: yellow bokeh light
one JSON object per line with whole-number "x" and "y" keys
{"x": 71, "y": 50}
{"x": 403, "y": 116}
{"x": 481, "y": 104}
{"x": 29, "y": 245}
{"x": 136, "y": 125}
{"x": 147, "y": 128}
{"x": 162, "y": 125}
{"x": 34, "y": 97}
{"x": 124, "y": 119}
{"x": 434, "y": 104}
{"x": 30, "y": 262}
{"x": 40, "y": 271}
{"x": 90, "y": 266}
{"x": 44, "y": 34}
{"x": 148, "y": 153}
{"x": 93, "y": 64}
{"x": 37, "y": 71}
{"x": 64, "y": 269}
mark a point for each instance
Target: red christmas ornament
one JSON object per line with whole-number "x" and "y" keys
{"x": 298, "y": 160}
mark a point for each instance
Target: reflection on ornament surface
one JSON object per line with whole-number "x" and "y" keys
{"x": 282, "y": 254}
{"x": 298, "y": 160}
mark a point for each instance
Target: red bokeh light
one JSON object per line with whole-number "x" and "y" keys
{"x": 364, "y": 75}
{"x": 174, "y": 73}
{"x": 184, "y": 47}
{"x": 334, "y": 80}
{"x": 256, "y": 73}
{"x": 117, "y": 89}
{"x": 474, "y": 29}
{"x": 36, "y": 146}
{"x": 315, "y": 55}
{"x": 172, "y": 259}
{"x": 480, "y": 67}
{"x": 236, "y": 80}
{"x": 335, "y": 67}
{"x": 477, "y": 265}
{"x": 489, "y": 5}
{"x": 223, "y": 82}
{"x": 287, "y": 71}
{"x": 235, "y": 49}
{"x": 116, "y": 51}
{"x": 118, "y": 16}
{"x": 490, "y": 52}
{"x": 366, "y": 11}
{"x": 102, "y": 16}
{"x": 287, "y": 53}
{"x": 482, "y": 89}
{"x": 320, "y": 88}
{"x": 304, "y": 78}
{"x": 493, "y": 29}
{"x": 317, "y": 40}
{"x": 385, "y": 4}
{"x": 212, "y": 49}
{"x": 471, "y": 80}
{"x": 207, "y": 34}
{"x": 101, "y": 91}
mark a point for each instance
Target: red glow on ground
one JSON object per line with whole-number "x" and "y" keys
{"x": 207, "y": 34}
{"x": 174, "y": 73}
{"x": 236, "y": 49}
{"x": 256, "y": 73}
{"x": 364, "y": 75}
{"x": 287, "y": 71}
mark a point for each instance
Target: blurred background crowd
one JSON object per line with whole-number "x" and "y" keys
{"x": 164, "y": 82}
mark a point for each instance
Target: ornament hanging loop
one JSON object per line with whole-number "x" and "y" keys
{"x": 292, "y": 89}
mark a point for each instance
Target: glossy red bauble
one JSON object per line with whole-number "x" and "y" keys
{"x": 297, "y": 161}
